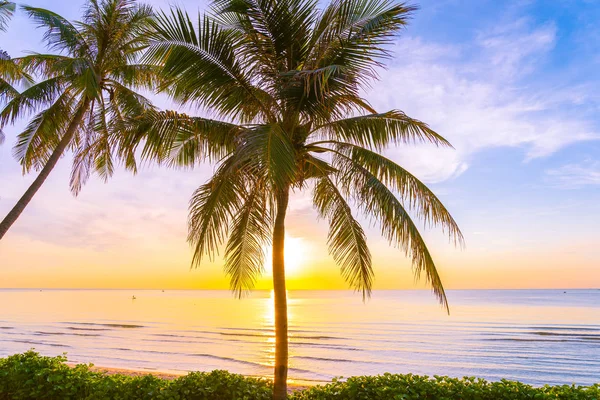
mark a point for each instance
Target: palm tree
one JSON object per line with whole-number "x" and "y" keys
{"x": 284, "y": 80}
{"x": 84, "y": 96}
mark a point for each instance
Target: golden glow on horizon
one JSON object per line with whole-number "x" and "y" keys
{"x": 163, "y": 262}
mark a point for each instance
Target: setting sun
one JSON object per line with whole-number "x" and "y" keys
{"x": 296, "y": 257}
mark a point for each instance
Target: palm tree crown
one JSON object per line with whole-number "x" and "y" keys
{"x": 84, "y": 95}
{"x": 287, "y": 77}
{"x": 284, "y": 80}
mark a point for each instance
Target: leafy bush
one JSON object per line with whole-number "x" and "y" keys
{"x": 217, "y": 385}
{"x": 30, "y": 376}
{"x": 414, "y": 387}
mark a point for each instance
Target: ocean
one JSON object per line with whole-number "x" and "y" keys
{"x": 534, "y": 336}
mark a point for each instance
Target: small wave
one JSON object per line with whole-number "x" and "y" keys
{"x": 42, "y": 333}
{"x": 566, "y": 328}
{"x": 229, "y": 359}
{"x": 326, "y": 346}
{"x": 526, "y": 340}
{"x": 109, "y": 325}
{"x": 323, "y": 359}
{"x": 40, "y": 343}
{"x": 84, "y": 334}
{"x": 570, "y": 335}
{"x": 343, "y": 360}
{"x": 178, "y": 341}
{"x": 6, "y": 327}
{"x": 87, "y": 329}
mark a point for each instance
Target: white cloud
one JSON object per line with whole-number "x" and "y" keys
{"x": 477, "y": 98}
{"x": 572, "y": 176}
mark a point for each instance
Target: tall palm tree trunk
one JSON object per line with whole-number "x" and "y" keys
{"x": 280, "y": 294}
{"x": 13, "y": 215}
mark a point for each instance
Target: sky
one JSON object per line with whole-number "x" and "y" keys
{"x": 512, "y": 84}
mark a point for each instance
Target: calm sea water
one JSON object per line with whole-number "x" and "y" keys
{"x": 535, "y": 336}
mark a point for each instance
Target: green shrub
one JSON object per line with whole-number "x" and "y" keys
{"x": 414, "y": 387}
{"x": 30, "y": 376}
{"x": 218, "y": 385}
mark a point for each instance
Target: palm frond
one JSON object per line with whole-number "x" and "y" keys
{"x": 103, "y": 155}
{"x": 137, "y": 75}
{"x": 51, "y": 65}
{"x": 376, "y": 200}
{"x": 354, "y": 33}
{"x": 31, "y": 100}
{"x": 35, "y": 144}
{"x": 250, "y": 233}
{"x": 267, "y": 152}
{"x": 59, "y": 33}
{"x": 83, "y": 157}
{"x": 347, "y": 241}
{"x": 11, "y": 74}
{"x": 413, "y": 193}
{"x": 276, "y": 33}
{"x": 202, "y": 65}
{"x": 7, "y": 8}
{"x": 376, "y": 131}
{"x": 179, "y": 139}
{"x": 211, "y": 209}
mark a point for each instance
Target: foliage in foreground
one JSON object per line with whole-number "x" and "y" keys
{"x": 30, "y": 376}
{"x": 413, "y": 387}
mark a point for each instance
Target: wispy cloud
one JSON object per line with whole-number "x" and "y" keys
{"x": 573, "y": 176}
{"x": 484, "y": 94}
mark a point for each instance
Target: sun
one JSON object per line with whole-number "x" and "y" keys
{"x": 296, "y": 252}
{"x": 296, "y": 256}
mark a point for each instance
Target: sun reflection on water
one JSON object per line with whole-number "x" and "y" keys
{"x": 269, "y": 325}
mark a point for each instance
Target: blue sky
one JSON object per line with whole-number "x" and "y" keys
{"x": 512, "y": 84}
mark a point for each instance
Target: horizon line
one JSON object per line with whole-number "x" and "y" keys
{"x": 289, "y": 290}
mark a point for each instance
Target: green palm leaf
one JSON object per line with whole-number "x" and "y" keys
{"x": 375, "y": 199}
{"x": 377, "y": 131}
{"x": 36, "y": 142}
{"x": 59, "y": 33}
{"x": 412, "y": 191}
{"x": 7, "y": 8}
{"x": 179, "y": 139}
{"x": 249, "y": 235}
{"x": 266, "y": 152}
{"x": 205, "y": 60}
{"x": 212, "y": 207}
{"x": 31, "y": 100}
{"x": 347, "y": 241}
